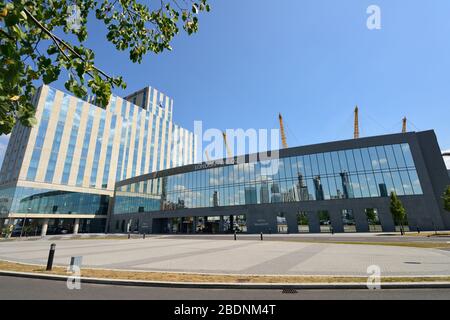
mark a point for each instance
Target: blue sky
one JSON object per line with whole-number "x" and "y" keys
{"x": 311, "y": 60}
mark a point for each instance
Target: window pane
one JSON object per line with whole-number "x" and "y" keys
{"x": 358, "y": 160}
{"x": 333, "y": 188}
{"x": 321, "y": 160}
{"x": 300, "y": 165}
{"x": 373, "y": 187}
{"x": 382, "y": 158}
{"x": 390, "y": 157}
{"x": 364, "y": 186}
{"x": 343, "y": 161}
{"x": 350, "y": 161}
{"x": 388, "y": 181}
{"x": 355, "y": 186}
{"x": 307, "y": 163}
{"x": 314, "y": 164}
{"x": 328, "y": 163}
{"x": 397, "y": 183}
{"x": 399, "y": 156}
{"x": 406, "y": 183}
{"x": 415, "y": 182}
{"x": 366, "y": 159}
{"x": 407, "y": 154}
{"x": 374, "y": 158}
{"x": 336, "y": 165}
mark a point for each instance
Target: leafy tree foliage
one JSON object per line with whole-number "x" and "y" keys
{"x": 31, "y": 50}
{"x": 446, "y": 198}
{"x": 398, "y": 211}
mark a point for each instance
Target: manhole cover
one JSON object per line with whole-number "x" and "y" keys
{"x": 289, "y": 290}
{"x": 412, "y": 262}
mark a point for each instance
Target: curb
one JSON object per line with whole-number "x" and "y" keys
{"x": 219, "y": 285}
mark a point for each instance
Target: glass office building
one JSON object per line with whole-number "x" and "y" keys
{"x": 60, "y": 174}
{"x": 342, "y": 185}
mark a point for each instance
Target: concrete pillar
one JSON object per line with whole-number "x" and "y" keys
{"x": 76, "y": 226}
{"x": 194, "y": 225}
{"x": 44, "y": 227}
{"x": 221, "y": 225}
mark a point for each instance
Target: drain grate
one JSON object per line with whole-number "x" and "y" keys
{"x": 412, "y": 262}
{"x": 289, "y": 290}
{"x": 242, "y": 280}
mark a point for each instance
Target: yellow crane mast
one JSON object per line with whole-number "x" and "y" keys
{"x": 404, "y": 125}
{"x": 229, "y": 153}
{"x": 356, "y": 127}
{"x": 283, "y": 134}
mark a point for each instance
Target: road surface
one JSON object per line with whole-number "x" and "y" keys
{"x": 23, "y": 288}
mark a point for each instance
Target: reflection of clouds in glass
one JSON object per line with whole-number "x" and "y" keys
{"x": 3, "y": 145}
{"x": 383, "y": 161}
{"x": 447, "y": 160}
{"x": 179, "y": 187}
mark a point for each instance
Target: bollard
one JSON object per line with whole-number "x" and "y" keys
{"x": 261, "y": 236}
{"x": 51, "y": 255}
{"x": 143, "y": 236}
{"x": 129, "y": 236}
{"x": 234, "y": 235}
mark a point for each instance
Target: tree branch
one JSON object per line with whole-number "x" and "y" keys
{"x": 59, "y": 41}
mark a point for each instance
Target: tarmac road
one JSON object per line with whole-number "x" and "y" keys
{"x": 13, "y": 288}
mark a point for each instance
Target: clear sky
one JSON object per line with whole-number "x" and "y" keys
{"x": 311, "y": 60}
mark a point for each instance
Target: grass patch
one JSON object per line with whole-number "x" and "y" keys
{"x": 205, "y": 278}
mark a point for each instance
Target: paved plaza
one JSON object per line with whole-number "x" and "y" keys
{"x": 234, "y": 257}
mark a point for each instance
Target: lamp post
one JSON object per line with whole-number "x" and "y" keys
{"x": 24, "y": 222}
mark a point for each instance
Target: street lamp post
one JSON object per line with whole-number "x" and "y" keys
{"x": 24, "y": 222}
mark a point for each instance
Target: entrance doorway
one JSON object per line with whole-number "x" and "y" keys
{"x": 348, "y": 220}
{"x": 282, "y": 226}
{"x": 324, "y": 221}
{"x": 303, "y": 222}
{"x": 187, "y": 224}
{"x": 236, "y": 223}
{"x": 373, "y": 220}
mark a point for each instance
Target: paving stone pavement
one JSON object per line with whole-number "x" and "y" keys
{"x": 234, "y": 257}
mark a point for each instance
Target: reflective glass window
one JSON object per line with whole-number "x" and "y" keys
{"x": 390, "y": 157}
{"x": 400, "y": 159}
{"x": 314, "y": 164}
{"x": 374, "y": 158}
{"x": 358, "y": 160}
{"x": 415, "y": 182}
{"x": 336, "y": 165}
{"x": 343, "y": 161}
{"x": 367, "y": 162}
{"x": 382, "y": 158}
{"x": 307, "y": 163}
{"x": 350, "y": 161}
{"x": 408, "y": 155}
{"x": 321, "y": 160}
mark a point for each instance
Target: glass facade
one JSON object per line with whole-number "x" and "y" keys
{"x": 93, "y": 130}
{"x": 57, "y": 139}
{"x": 98, "y": 148}
{"x": 72, "y": 143}
{"x": 34, "y": 163}
{"x": 85, "y": 149}
{"x": 47, "y": 201}
{"x": 345, "y": 174}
